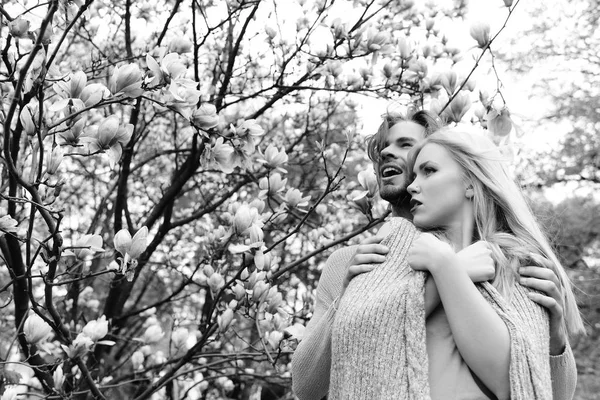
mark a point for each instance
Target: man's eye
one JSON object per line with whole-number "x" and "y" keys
{"x": 406, "y": 145}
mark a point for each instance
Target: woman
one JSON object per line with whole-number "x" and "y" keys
{"x": 462, "y": 192}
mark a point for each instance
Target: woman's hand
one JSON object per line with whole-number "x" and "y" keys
{"x": 543, "y": 278}
{"x": 369, "y": 253}
{"x": 478, "y": 262}
{"x": 428, "y": 253}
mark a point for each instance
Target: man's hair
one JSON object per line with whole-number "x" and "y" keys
{"x": 503, "y": 217}
{"x": 377, "y": 142}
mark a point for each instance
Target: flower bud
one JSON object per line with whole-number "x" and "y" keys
{"x": 508, "y": 3}
{"x": 215, "y": 282}
{"x": 260, "y": 291}
{"x": 137, "y": 359}
{"x": 244, "y": 217}
{"x": 28, "y": 117}
{"x": 107, "y": 130}
{"x": 138, "y": 242}
{"x": 404, "y": 48}
{"x": 54, "y": 160}
{"x": 36, "y": 329}
{"x": 239, "y": 291}
{"x": 58, "y": 377}
{"x": 122, "y": 241}
{"x": 94, "y": 93}
{"x": 256, "y": 233}
{"x": 224, "y": 320}
{"x": 208, "y": 270}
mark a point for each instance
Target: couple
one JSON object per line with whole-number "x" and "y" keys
{"x": 381, "y": 330}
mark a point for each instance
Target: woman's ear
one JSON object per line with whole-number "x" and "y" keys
{"x": 469, "y": 192}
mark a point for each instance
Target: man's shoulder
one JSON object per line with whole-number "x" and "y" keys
{"x": 342, "y": 255}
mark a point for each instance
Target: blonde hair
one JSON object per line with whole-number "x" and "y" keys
{"x": 503, "y": 217}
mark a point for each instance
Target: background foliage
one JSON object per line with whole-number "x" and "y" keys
{"x": 174, "y": 176}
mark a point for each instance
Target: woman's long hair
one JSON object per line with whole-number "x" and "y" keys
{"x": 503, "y": 217}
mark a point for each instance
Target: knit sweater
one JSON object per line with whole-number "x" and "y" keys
{"x": 350, "y": 349}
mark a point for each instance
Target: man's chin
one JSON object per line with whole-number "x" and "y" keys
{"x": 397, "y": 196}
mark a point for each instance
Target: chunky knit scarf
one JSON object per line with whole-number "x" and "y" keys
{"x": 378, "y": 336}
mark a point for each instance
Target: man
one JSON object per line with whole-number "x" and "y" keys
{"x": 388, "y": 149}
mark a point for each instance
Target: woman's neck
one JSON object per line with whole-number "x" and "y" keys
{"x": 461, "y": 234}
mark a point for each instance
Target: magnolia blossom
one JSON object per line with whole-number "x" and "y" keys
{"x": 126, "y": 80}
{"x": 179, "y": 337}
{"x": 19, "y": 27}
{"x": 72, "y": 86}
{"x": 71, "y": 135}
{"x": 225, "y": 319}
{"x": 94, "y": 93}
{"x": 137, "y": 359}
{"x": 8, "y": 225}
{"x": 293, "y": 198}
{"x": 87, "y": 245}
{"x": 368, "y": 180}
{"x": 79, "y": 347}
{"x": 480, "y": 31}
{"x": 405, "y": 48}
{"x": 180, "y": 45}
{"x": 111, "y": 137}
{"x": 274, "y": 339}
{"x": 221, "y": 154}
{"x": 271, "y": 185}
{"x": 244, "y": 217}
{"x": 36, "y": 329}
{"x": 170, "y": 68}
{"x": 458, "y": 107}
{"x": 58, "y": 377}
{"x": 29, "y": 118}
{"x": 205, "y": 117}
{"x": 499, "y": 123}
{"x": 153, "y": 334}
{"x": 54, "y": 160}
{"x": 131, "y": 248}
{"x": 11, "y": 393}
{"x": 96, "y": 329}
{"x": 216, "y": 282}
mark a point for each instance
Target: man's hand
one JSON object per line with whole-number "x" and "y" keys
{"x": 369, "y": 253}
{"x": 543, "y": 278}
{"x": 428, "y": 253}
{"x": 477, "y": 260}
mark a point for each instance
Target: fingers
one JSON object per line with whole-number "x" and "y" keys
{"x": 540, "y": 273}
{"x": 354, "y": 270}
{"x": 543, "y": 285}
{"x": 541, "y": 261}
{"x": 547, "y": 302}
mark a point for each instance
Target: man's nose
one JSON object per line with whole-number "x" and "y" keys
{"x": 388, "y": 152}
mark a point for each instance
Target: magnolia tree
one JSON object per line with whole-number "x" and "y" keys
{"x": 173, "y": 172}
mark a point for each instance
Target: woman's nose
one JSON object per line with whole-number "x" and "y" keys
{"x": 413, "y": 187}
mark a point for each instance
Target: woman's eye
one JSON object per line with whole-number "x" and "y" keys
{"x": 428, "y": 171}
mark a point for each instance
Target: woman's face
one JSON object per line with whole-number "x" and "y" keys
{"x": 438, "y": 190}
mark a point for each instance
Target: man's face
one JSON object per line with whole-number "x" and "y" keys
{"x": 391, "y": 171}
